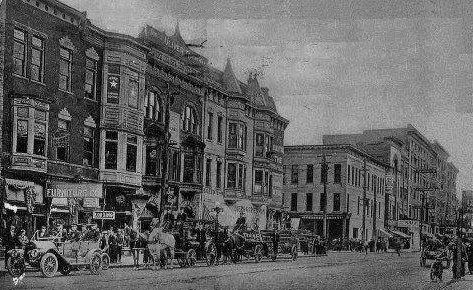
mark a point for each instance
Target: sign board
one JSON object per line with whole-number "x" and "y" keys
{"x": 408, "y": 224}
{"x": 75, "y": 190}
{"x": 91, "y": 202}
{"x": 104, "y": 215}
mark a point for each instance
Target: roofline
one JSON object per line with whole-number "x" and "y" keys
{"x": 117, "y": 35}
{"x": 70, "y": 9}
{"x": 337, "y": 146}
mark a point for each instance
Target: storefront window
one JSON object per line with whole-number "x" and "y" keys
{"x": 111, "y": 149}
{"x": 131, "y": 153}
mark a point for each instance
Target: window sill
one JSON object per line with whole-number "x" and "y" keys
{"x": 38, "y": 83}
{"x": 21, "y": 77}
{"x": 67, "y": 92}
{"x": 28, "y": 154}
{"x": 91, "y": 100}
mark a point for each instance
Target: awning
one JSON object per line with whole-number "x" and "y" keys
{"x": 385, "y": 233}
{"x": 400, "y": 234}
{"x": 13, "y": 207}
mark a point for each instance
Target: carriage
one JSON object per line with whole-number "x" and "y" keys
{"x": 431, "y": 250}
{"x": 287, "y": 242}
{"x": 249, "y": 244}
{"x": 188, "y": 249}
{"x": 50, "y": 255}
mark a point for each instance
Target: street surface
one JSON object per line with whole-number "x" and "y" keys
{"x": 335, "y": 271}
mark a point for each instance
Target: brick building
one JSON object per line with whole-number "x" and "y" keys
{"x": 355, "y": 190}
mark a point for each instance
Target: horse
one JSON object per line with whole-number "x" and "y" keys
{"x": 159, "y": 241}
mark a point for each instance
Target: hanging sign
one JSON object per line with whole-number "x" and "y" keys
{"x": 104, "y": 215}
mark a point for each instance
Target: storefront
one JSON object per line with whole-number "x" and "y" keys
{"x": 412, "y": 230}
{"x": 24, "y": 205}
{"x": 337, "y": 224}
{"x": 73, "y": 203}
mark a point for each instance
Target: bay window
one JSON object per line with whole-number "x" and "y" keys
{"x": 259, "y": 181}
{"x": 153, "y": 107}
{"x": 30, "y": 127}
{"x": 151, "y": 160}
{"x": 131, "y": 153}
{"x": 189, "y": 167}
{"x": 190, "y": 121}
{"x": 259, "y": 148}
{"x": 336, "y": 202}
{"x": 62, "y": 148}
{"x": 237, "y": 136}
{"x": 111, "y": 149}
{"x": 231, "y": 175}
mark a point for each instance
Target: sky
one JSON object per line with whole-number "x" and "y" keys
{"x": 334, "y": 66}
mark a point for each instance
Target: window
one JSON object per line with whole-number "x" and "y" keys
{"x": 323, "y": 202}
{"x": 270, "y": 186}
{"x": 19, "y": 52}
{"x": 353, "y": 175}
{"x": 219, "y": 129}
{"x": 175, "y": 166}
{"x": 295, "y": 174}
{"x": 258, "y": 181}
{"x": 62, "y": 149}
{"x": 131, "y": 153}
{"x": 259, "y": 150}
{"x": 151, "y": 160}
{"x": 39, "y": 143}
{"x": 294, "y": 201}
{"x": 133, "y": 90}
{"x": 154, "y": 107}
{"x": 113, "y": 84}
{"x": 37, "y": 54}
{"x": 189, "y": 167}
{"x": 336, "y": 202}
{"x": 88, "y": 158}
{"x": 190, "y": 123}
{"x": 65, "y": 68}
{"x": 232, "y": 135}
{"x": 231, "y": 175}
{"x": 324, "y": 173}
{"x": 210, "y": 125}
{"x": 355, "y": 233}
{"x": 22, "y": 136}
{"x": 358, "y": 206}
{"x": 219, "y": 174}
{"x": 208, "y": 172}
{"x": 348, "y": 174}
{"x": 337, "y": 175}
{"x": 309, "y": 197}
{"x": 310, "y": 173}
{"x": 111, "y": 149}
{"x": 90, "y": 78}
{"x": 242, "y": 137}
{"x": 241, "y": 176}
{"x": 266, "y": 183}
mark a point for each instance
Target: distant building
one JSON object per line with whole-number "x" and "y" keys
{"x": 352, "y": 176}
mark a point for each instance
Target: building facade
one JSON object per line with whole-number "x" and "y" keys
{"x": 351, "y": 194}
{"x": 420, "y": 176}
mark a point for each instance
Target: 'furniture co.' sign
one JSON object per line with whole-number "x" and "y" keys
{"x": 71, "y": 190}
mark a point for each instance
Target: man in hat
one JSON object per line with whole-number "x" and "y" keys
{"x": 10, "y": 241}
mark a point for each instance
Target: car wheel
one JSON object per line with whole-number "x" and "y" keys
{"x": 16, "y": 267}
{"x": 105, "y": 261}
{"x": 191, "y": 257}
{"x": 258, "y": 253}
{"x": 49, "y": 265}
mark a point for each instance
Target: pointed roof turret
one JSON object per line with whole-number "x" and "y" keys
{"x": 229, "y": 79}
{"x": 177, "y": 35}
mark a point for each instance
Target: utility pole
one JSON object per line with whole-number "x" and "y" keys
{"x": 323, "y": 197}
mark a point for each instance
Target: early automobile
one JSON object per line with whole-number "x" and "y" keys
{"x": 50, "y": 255}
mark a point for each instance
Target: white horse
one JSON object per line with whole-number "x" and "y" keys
{"x": 160, "y": 241}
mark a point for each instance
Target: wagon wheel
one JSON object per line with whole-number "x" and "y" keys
{"x": 95, "y": 265}
{"x": 65, "y": 269}
{"x": 258, "y": 253}
{"x": 105, "y": 261}
{"x": 211, "y": 255}
{"x": 16, "y": 267}
{"x": 49, "y": 265}
{"x": 191, "y": 258}
{"x": 294, "y": 252}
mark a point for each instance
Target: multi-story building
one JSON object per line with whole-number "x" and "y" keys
{"x": 351, "y": 194}
{"x": 51, "y": 113}
{"x": 467, "y": 208}
{"x": 416, "y": 166}
{"x": 94, "y": 120}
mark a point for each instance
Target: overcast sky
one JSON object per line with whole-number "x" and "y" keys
{"x": 334, "y": 66}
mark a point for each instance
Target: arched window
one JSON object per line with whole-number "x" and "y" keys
{"x": 190, "y": 123}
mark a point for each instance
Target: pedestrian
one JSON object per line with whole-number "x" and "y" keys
{"x": 43, "y": 233}
{"x": 470, "y": 258}
{"x": 120, "y": 242}
{"x": 10, "y": 242}
{"x": 22, "y": 239}
{"x": 112, "y": 241}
